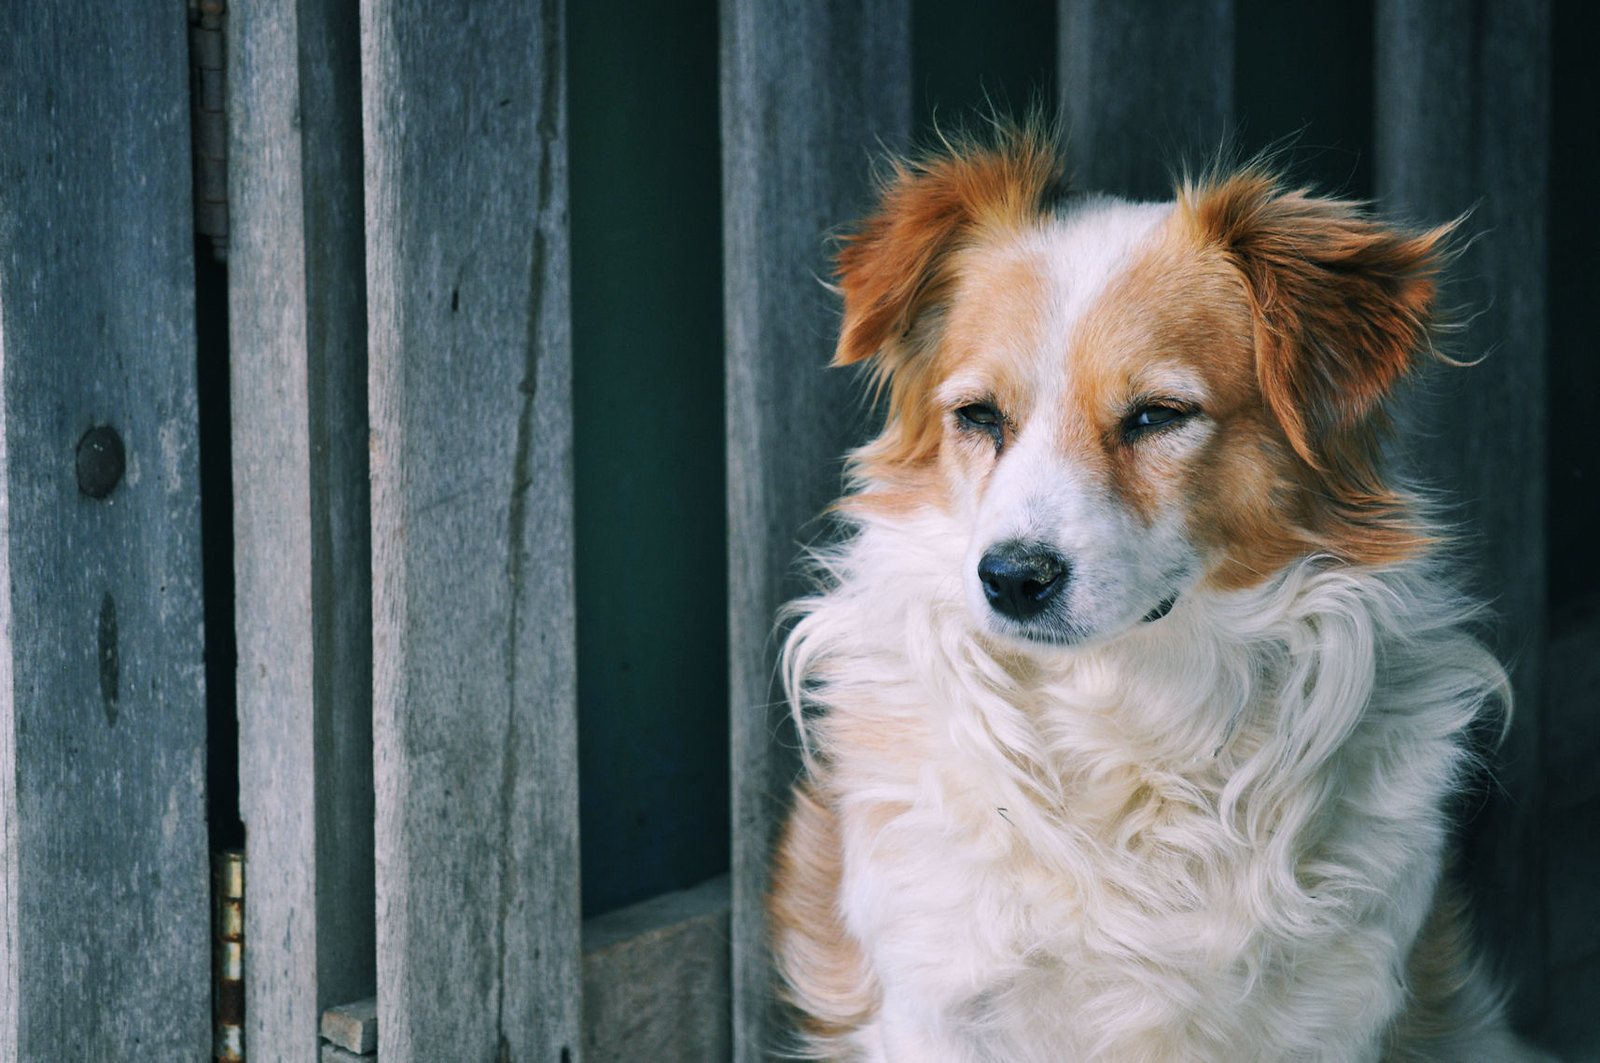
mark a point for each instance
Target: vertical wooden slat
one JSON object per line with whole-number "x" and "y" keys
{"x": 473, "y": 656}
{"x": 809, "y": 94}
{"x": 1145, "y": 89}
{"x": 102, "y": 713}
{"x": 1461, "y": 123}
{"x": 10, "y": 826}
{"x": 302, "y": 576}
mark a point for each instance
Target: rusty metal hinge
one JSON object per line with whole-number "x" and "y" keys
{"x": 208, "y": 120}
{"x": 227, "y": 953}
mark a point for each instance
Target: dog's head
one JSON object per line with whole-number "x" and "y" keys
{"x": 1123, "y": 403}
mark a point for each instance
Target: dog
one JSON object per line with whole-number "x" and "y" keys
{"x": 1134, "y": 697}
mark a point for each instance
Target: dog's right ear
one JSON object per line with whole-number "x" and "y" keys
{"x": 896, "y": 265}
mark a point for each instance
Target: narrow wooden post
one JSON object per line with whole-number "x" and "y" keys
{"x": 1461, "y": 124}
{"x": 104, "y": 946}
{"x": 297, "y": 320}
{"x": 809, "y": 94}
{"x": 1145, "y": 89}
{"x": 469, "y": 397}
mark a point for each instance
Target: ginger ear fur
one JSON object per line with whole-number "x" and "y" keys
{"x": 897, "y": 268}
{"x": 896, "y": 263}
{"x": 1342, "y": 303}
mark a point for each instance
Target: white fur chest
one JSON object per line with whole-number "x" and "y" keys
{"x": 1036, "y": 870}
{"x": 1001, "y": 929}
{"x": 1004, "y": 931}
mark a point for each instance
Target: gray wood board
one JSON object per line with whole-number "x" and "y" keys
{"x": 473, "y": 655}
{"x": 655, "y": 979}
{"x": 1146, "y": 89}
{"x": 302, "y": 575}
{"x": 810, "y": 94}
{"x": 1460, "y": 125}
{"x": 106, "y": 953}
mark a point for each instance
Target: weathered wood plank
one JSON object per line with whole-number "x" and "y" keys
{"x": 1145, "y": 89}
{"x": 10, "y": 825}
{"x": 809, "y": 93}
{"x": 469, "y": 400}
{"x": 302, "y": 578}
{"x": 102, "y": 713}
{"x": 1461, "y": 125}
{"x": 655, "y": 979}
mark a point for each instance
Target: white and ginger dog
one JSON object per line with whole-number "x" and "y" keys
{"x": 1133, "y": 699}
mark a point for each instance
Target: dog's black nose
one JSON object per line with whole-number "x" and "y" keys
{"x": 1019, "y": 578}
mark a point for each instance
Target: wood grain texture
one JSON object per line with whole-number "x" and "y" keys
{"x": 1461, "y": 124}
{"x": 469, "y": 402}
{"x": 810, "y": 93}
{"x": 655, "y": 980}
{"x": 102, "y": 730}
{"x": 301, "y": 511}
{"x": 1145, "y": 90}
{"x": 10, "y": 824}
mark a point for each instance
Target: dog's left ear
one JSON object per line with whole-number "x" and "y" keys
{"x": 1342, "y": 303}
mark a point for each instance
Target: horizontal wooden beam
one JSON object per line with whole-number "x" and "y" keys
{"x": 655, "y": 979}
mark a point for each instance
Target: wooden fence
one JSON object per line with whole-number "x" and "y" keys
{"x": 402, "y": 525}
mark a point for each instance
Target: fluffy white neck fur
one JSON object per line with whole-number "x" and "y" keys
{"x": 1150, "y": 835}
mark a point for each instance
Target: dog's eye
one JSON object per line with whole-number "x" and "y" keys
{"x": 982, "y": 417}
{"x": 978, "y": 415}
{"x": 1150, "y": 417}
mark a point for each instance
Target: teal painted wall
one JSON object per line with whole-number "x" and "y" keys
{"x": 648, "y": 447}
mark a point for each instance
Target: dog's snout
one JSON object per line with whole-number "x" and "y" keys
{"x": 1019, "y": 578}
